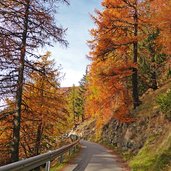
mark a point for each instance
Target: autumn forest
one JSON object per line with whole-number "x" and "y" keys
{"x": 130, "y": 50}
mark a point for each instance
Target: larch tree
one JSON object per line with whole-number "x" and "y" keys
{"x": 127, "y": 41}
{"x": 25, "y": 26}
{"x": 107, "y": 96}
{"x": 44, "y": 114}
{"x": 119, "y": 29}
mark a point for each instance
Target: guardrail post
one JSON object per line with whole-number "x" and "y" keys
{"x": 47, "y": 168}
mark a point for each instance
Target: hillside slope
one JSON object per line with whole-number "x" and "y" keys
{"x": 145, "y": 143}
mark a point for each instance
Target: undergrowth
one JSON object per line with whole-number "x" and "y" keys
{"x": 153, "y": 156}
{"x": 164, "y": 100}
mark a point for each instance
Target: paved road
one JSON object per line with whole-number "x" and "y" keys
{"x": 94, "y": 157}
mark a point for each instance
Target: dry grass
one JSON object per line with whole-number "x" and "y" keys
{"x": 149, "y": 105}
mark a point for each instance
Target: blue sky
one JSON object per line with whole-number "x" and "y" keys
{"x": 76, "y": 18}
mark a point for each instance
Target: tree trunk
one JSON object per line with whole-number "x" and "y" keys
{"x": 38, "y": 139}
{"x": 17, "y": 116}
{"x": 82, "y": 117}
{"x": 40, "y": 126}
{"x": 153, "y": 73}
{"x": 154, "y": 80}
{"x": 135, "y": 95}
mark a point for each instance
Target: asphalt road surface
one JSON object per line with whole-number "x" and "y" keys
{"x": 94, "y": 157}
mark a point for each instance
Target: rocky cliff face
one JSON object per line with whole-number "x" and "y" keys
{"x": 131, "y": 137}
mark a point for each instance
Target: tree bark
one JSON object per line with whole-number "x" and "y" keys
{"x": 153, "y": 73}
{"x": 38, "y": 139}
{"x": 17, "y": 115}
{"x": 154, "y": 80}
{"x": 135, "y": 95}
{"x": 40, "y": 126}
{"x": 82, "y": 117}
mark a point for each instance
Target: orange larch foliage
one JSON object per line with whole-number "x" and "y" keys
{"x": 107, "y": 94}
{"x": 161, "y": 12}
{"x": 113, "y": 51}
{"x": 123, "y": 26}
{"x": 44, "y": 115}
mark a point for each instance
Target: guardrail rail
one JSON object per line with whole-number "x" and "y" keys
{"x": 39, "y": 160}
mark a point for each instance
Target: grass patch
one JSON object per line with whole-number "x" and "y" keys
{"x": 153, "y": 156}
{"x": 164, "y": 100}
{"x": 150, "y": 104}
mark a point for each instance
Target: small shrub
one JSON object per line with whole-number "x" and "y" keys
{"x": 164, "y": 101}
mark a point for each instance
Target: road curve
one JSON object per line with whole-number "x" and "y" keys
{"x": 94, "y": 157}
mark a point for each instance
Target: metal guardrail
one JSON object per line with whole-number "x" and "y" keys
{"x": 36, "y": 161}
